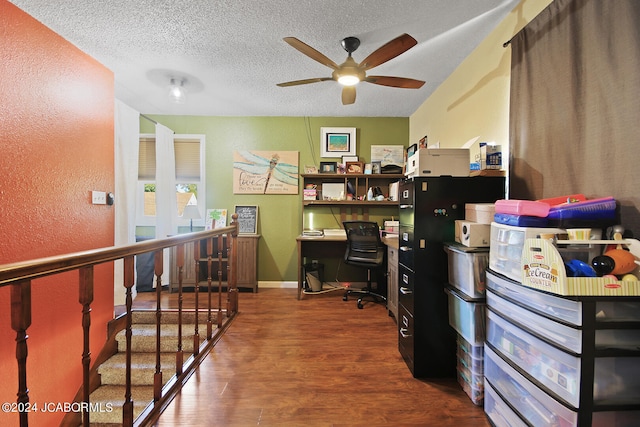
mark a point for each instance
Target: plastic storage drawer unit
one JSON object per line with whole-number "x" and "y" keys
{"x": 534, "y": 405}
{"x": 500, "y": 414}
{"x": 562, "y": 309}
{"x": 467, "y": 317}
{"x": 507, "y": 242}
{"x": 565, "y": 336}
{"x": 467, "y": 268}
{"x": 557, "y": 371}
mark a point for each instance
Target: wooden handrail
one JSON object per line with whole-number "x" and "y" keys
{"x": 19, "y": 276}
{"x": 41, "y": 267}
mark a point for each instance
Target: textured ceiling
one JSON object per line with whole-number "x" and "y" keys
{"x": 232, "y": 52}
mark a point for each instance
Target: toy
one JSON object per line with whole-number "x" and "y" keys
{"x": 625, "y": 261}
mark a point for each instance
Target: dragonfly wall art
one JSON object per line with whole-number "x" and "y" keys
{"x": 265, "y": 172}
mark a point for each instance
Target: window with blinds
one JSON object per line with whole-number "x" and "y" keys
{"x": 189, "y": 157}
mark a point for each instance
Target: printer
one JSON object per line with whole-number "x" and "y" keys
{"x": 438, "y": 162}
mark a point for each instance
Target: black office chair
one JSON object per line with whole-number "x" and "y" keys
{"x": 365, "y": 249}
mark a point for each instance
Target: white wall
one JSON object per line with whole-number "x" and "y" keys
{"x": 474, "y": 100}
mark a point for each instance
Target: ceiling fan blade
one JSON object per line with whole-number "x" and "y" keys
{"x": 388, "y": 51}
{"x": 310, "y": 52}
{"x": 348, "y": 95}
{"x": 400, "y": 82}
{"x": 304, "y": 82}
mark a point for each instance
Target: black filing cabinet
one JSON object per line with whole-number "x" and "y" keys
{"x": 429, "y": 207}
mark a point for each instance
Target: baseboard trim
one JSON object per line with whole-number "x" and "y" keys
{"x": 277, "y": 284}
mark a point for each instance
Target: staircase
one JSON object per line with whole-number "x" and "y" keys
{"x": 108, "y": 398}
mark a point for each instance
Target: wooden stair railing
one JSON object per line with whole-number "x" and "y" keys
{"x": 19, "y": 276}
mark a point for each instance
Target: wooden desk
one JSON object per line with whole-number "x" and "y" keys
{"x": 323, "y": 247}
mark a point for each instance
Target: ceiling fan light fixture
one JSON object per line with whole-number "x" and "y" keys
{"x": 177, "y": 91}
{"x": 348, "y": 80}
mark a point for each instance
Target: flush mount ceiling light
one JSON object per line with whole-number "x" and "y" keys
{"x": 177, "y": 91}
{"x": 176, "y": 84}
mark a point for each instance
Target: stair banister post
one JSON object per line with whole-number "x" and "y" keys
{"x": 210, "y": 281}
{"x": 157, "y": 376}
{"x": 129, "y": 280}
{"x": 232, "y": 289}
{"x": 221, "y": 250}
{"x": 86, "y": 298}
{"x": 20, "y": 322}
{"x": 180, "y": 265}
{"x": 196, "y": 332}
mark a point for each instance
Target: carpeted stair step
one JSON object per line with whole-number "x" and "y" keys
{"x": 149, "y": 317}
{"x": 143, "y": 338}
{"x": 143, "y": 367}
{"x": 107, "y": 401}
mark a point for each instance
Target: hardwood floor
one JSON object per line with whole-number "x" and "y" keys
{"x": 315, "y": 362}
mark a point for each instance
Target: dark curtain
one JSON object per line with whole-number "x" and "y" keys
{"x": 575, "y": 104}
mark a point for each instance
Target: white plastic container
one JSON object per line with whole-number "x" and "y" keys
{"x": 482, "y": 213}
{"x": 475, "y": 365}
{"x": 537, "y": 407}
{"x": 475, "y": 393}
{"x": 467, "y": 267}
{"x": 505, "y": 248}
{"x": 562, "y": 309}
{"x": 565, "y": 336}
{"x": 500, "y": 414}
{"x": 467, "y": 317}
{"x": 474, "y": 351}
{"x": 559, "y": 372}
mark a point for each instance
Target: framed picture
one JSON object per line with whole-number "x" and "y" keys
{"x": 216, "y": 218}
{"x": 368, "y": 168}
{"x": 355, "y": 167}
{"x": 310, "y": 169}
{"x": 346, "y": 159}
{"x": 376, "y": 167}
{"x": 388, "y": 154}
{"x": 247, "y": 219}
{"x": 328, "y": 167}
{"x": 337, "y": 142}
{"x": 265, "y": 172}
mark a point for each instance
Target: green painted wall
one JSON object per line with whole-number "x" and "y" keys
{"x": 280, "y": 216}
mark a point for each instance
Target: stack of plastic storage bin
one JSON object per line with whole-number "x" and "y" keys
{"x": 467, "y": 302}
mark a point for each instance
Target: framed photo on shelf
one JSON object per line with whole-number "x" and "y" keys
{"x": 310, "y": 169}
{"x": 376, "y": 167}
{"x": 354, "y": 167}
{"x": 368, "y": 169}
{"x": 328, "y": 167}
{"x": 337, "y": 142}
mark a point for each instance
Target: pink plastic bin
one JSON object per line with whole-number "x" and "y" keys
{"x": 523, "y": 207}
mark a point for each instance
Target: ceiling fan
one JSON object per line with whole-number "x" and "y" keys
{"x": 350, "y": 73}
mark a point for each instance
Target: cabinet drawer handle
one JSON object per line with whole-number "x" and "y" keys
{"x": 403, "y": 332}
{"x": 405, "y": 248}
{"x": 406, "y": 206}
{"x": 405, "y": 291}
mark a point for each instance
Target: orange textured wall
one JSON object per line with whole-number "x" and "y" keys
{"x": 56, "y": 145}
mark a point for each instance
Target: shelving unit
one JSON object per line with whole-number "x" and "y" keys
{"x": 356, "y": 208}
{"x": 247, "y": 256}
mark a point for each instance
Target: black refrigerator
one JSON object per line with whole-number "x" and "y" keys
{"x": 429, "y": 207}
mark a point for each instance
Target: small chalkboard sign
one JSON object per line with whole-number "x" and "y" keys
{"x": 247, "y": 219}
